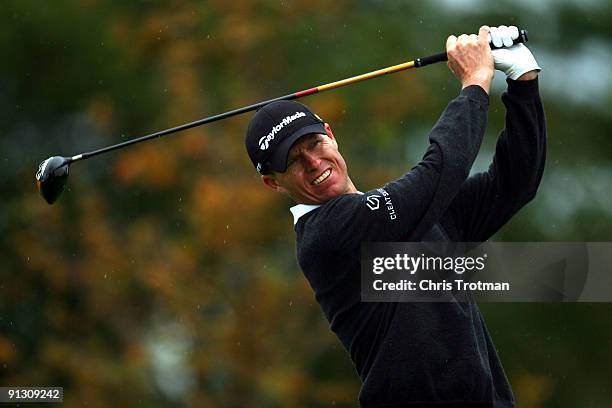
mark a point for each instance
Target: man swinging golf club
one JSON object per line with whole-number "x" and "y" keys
{"x": 412, "y": 354}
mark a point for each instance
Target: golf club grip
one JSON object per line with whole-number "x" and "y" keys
{"x": 432, "y": 59}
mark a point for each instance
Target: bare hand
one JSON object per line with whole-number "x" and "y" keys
{"x": 470, "y": 59}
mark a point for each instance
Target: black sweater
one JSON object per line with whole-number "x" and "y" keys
{"x": 428, "y": 354}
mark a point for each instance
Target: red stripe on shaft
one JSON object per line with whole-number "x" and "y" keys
{"x": 306, "y": 92}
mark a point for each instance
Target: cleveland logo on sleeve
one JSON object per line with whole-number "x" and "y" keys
{"x": 373, "y": 202}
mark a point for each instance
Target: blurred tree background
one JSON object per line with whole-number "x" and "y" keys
{"x": 166, "y": 274}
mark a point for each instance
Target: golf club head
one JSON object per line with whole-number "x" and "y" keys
{"x": 51, "y": 177}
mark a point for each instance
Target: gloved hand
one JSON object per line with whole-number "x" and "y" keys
{"x": 515, "y": 60}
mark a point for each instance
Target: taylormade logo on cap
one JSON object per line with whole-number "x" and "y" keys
{"x": 264, "y": 142}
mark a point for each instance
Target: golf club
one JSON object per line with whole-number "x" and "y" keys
{"x": 53, "y": 172}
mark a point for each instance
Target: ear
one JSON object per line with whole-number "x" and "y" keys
{"x": 330, "y": 134}
{"x": 328, "y": 130}
{"x": 270, "y": 181}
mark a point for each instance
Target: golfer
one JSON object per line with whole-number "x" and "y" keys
{"x": 412, "y": 354}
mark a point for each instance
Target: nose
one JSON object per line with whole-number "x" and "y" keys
{"x": 311, "y": 161}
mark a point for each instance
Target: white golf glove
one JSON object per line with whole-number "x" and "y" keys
{"x": 515, "y": 60}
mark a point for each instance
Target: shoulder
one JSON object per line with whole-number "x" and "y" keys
{"x": 330, "y": 222}
{"x": 343, "y": 221}
{"x": 331, "y": 213}
{"x": 325, "y": 232}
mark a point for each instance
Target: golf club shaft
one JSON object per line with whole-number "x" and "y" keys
{"x": 255, "y": 106}
{"x": 419, "y": 62}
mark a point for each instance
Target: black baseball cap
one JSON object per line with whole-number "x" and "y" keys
{"x": 274, "y": 129}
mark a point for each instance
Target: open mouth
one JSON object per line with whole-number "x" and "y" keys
{"x": 322, "y": 177}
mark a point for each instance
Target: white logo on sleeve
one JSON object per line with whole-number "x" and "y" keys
{"x": 373, "y": 202}
{"x": 264, "y": 142}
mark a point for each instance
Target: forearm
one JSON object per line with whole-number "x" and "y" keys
{"x": 455, "y": 141}
{"x": 406, "y": 208}
{"x": 521, "y": 150}
{"x": 488, "y": 200}
{"x": 460, "y": 129}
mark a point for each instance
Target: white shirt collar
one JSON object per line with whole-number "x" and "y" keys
{"x": 302, "y": 209}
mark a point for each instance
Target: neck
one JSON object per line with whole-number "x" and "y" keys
{"x": 351, "y": 187}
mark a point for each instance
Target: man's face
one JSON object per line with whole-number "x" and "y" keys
{"x": 316, "y": 171}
